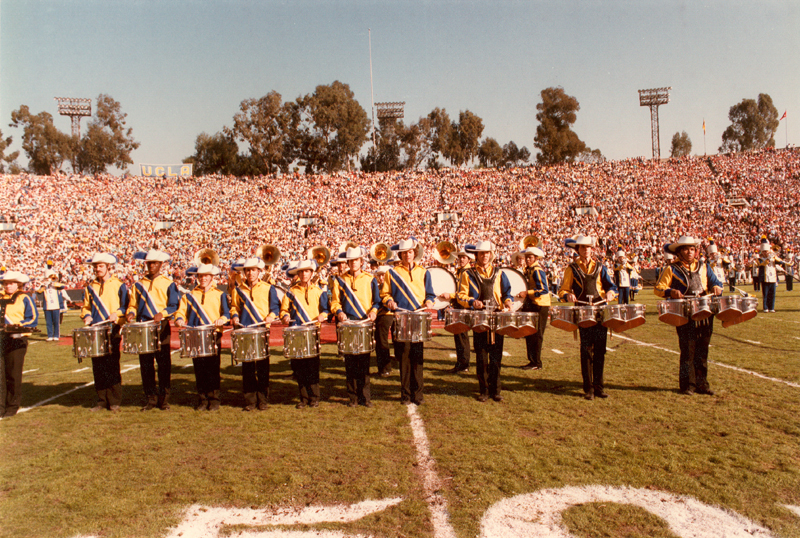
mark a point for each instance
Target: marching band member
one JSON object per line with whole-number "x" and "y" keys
{"x": 408, "y": 286}
{"x": 482, "y": 286}
{"x": 688, "y": 276}
{"x": 106, "y": 300}
{"x": 53, "y": 304}
{"x": 155, "y": 298}
{"x": 16, "y": 309}
{"x": 254, "y": 303}
{"x": 768, "y": 272}
{"x": 463, "y": 261}
{"x": 355, "y": 296}
{"x": 384, "y": 325}
{"x": 537, "y": 299}
{"x": 585, "y": 281}
{"x": 622, "y": 277}
{"x": 305, "y": 303}
{"x": 205, "y": 305}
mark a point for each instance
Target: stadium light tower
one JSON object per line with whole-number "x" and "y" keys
{"x": 653, "y": 98}
{"x": 74, "y": 108}
{"x": 390, "y": 111}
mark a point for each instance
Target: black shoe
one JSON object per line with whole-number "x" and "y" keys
{"x": 249, "y": 407}
{"x": 352, "y": 404}
{"x": 96, "y": 408}
{"x": 707, "y": 392}
{"x": 483, "y": 398}
{"x": 301, "y": 405}
{"x": 497, "y": 398}
{"x": 263, "y": 406}
{"x": 687, "y": 392}
{"x": 600, "y": 393}
{"x": 314, "y": 404}
{"x": 151, "y": 404}
{"x": 367, "y": 404}
{"x": 531, "y": 366}
{"x": 588, "y": 396}
{"x": 458, "y": 369}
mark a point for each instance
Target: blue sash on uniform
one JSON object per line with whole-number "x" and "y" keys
{"x": 403, "y": 288}
{"x": 249, "y": 306}
{"x": 198, "y": 309}
{"x": 302, "y": 313}
{"x": 351, "y": 298}
{"x": 98, "y": 306}
{"x": 145, "y": 301}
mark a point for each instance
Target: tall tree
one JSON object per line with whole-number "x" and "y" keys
{"x": 333, "y": 127}
{"x": 46, "y": 147}
{"x": 269, "y": 127}
{"x": 467, "y": 134}
{"x": 215, "y": 154}
{"x": 512, "y": 155}
{"x": 490, "y": 153}
{"x": 389, "y": 148}
{"x": 753, "y": 125}
{"x": 681, "y": 145}
{"x": 10, "y": 158}
{"x": 555, "y": 139}
{"x": 107, "y": 142}
{"x": 436, "y": 132}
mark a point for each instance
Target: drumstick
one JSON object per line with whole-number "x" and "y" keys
{"x": 101, "y": 322}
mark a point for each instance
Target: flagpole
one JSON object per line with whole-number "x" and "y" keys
{"x": 704, "y": 137}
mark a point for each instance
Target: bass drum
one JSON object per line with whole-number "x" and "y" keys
{"x": 518, "y": 285}
{"x": 443, "y": 282}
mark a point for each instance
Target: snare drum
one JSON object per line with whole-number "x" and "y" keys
{"x": 727, "y": 307}
{"x": 615, "y": 315}
{"x": 563, "y": 317}
{"x": 527, "y": 324}
{"x": 198, "y": 342}
{"x": 506, "y": 323}
{"x": 301, "y": 342}
{"x": 699, "y": 308}
{"x": 90, "y": 342}
{"x": 412, "y": 326}
{"x": 140, "y": 338}
{"x": 250, "y": 344}
{"x": 673, "y": 312}
{"x": 482, "y": 321}
{"x": 356, "y": 337}
{"x": 634, "y": 316}
{"x": 457, "y": 321}
{"x": 586, "y": 316}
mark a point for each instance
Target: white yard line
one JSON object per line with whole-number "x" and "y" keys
{"x": 557, "y": 351}
{"x": 742, "y": 370}
{"x": 431, "y": 484}
{"x": 29, "y": 371}
{"x": 506, "y": 354}
{"x": 795, "y": 509}
{"x": 89, "y": 384}
{"x": 609, "y": 349}
{"x": 753, "y": 342}
{"x": 80, "y": 370}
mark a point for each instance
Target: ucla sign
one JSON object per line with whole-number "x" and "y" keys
{"x": 168, "y": 170}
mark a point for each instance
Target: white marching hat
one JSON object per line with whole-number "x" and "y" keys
{"x": 382, "y": 270}
{"x": 152, "y": 255}
{"x": 15, "y": 276}
{"x": 353, "y": 253}
{"x": 405, "y": 244}
{"x": 49, "y": 273}
{"x": 765, "y": 246}
{"x": 536, "y": 251}
{"x": 480, "y": 246}
{"x": 683, "y": 241}
{"x": 250, "y": 263}
{"x": 305, "y": 264}
{"x": 207, "y": 269}
{"x": 103, "y": 257}
{"x": 463, "y": 252}
{"x": 578, "y": 241}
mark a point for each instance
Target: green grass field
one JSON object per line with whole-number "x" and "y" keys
{"x": 67, "y": 472}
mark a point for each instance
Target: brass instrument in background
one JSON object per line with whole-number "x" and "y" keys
{"x": 319, "y": 254}
{"x": 269, "y": 253}
{"x": 445, "y": 252}
{"x": 380, "y": 252}
{"x": 530, "y": 241}
{"x": 206, "y": 256}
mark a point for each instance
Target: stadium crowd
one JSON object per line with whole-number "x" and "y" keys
{"x": 637, "y": 204}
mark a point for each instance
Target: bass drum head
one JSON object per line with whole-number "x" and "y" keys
{"x": 518, "y": 285}
{"x": 443, "y": 282}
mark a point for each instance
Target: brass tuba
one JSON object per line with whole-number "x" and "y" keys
{"x": 445, "y": 252}
{"x": 380, "y": 252}
{"x": 530, "y": 241}
{"x": 206, "y": 256}
{"x": 319, "y": 254}
{"x": 269, "y": 253}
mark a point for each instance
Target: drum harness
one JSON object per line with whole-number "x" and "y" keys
{"x": 486, "y": 287}
{"x": 694, "y": 284}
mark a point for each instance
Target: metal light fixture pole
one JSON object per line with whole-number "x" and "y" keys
{"x": 653, "y": 98}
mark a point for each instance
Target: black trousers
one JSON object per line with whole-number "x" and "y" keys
{"x": 206, "y": 369}
{"x": 14, "y": 350}
{"x": 105, "y": 369}
{"x": 488, "y": 361}
{"x": 356, "y": 368}
{"x": 383, "y": 355}
{"x": 255, "y": 381}
{"x": 412, "y": 384}
{"x": 533, "y": 342}
{"x": 462, "y": 349}
{"x": 307, "y": 373}
{"x": 789, "y": 282}
{"x": 693, "y": 339}
{"x": 163, "y": 359}
{"x": 593, "y": 357}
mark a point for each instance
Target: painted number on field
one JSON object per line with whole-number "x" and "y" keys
{"x": 538, "y": 515}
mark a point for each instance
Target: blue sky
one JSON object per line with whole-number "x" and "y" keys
{"x": 180, "y": 68}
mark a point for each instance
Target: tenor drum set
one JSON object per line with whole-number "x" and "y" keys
{"x": 729, "y": 309}
{"x": 511, "y": 324}
{"x": 618, "y": 317}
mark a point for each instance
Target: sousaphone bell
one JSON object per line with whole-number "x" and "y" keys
{"x": 206, "y": 256}
{"x": 445, "y": 252}
{"x": 269, "y": 253}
